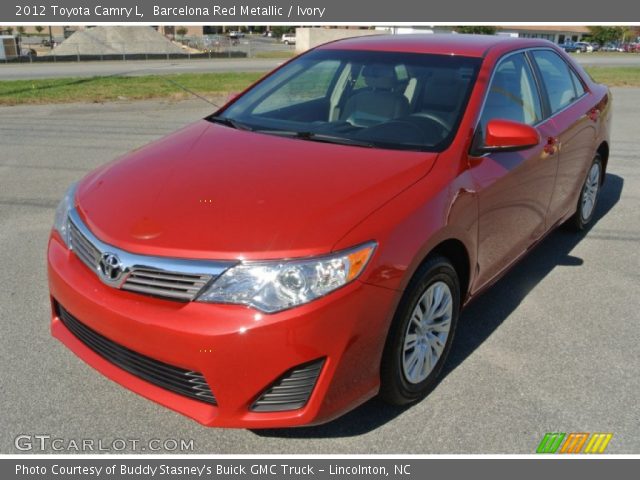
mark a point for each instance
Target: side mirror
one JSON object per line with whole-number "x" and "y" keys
{"x": 506, "y": 136}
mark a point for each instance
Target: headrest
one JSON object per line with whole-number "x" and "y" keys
{"x": 443, "y": 91}
{"x": 379, "y": 76}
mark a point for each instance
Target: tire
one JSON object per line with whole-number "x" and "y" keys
{"x": 589, "y": 194}
{"x": 400, "y": 383}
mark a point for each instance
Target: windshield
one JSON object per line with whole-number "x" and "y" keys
{"x": 376, "y": 99}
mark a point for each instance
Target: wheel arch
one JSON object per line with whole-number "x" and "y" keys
{"x": 456, "y": 252}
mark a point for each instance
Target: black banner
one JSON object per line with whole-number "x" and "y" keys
{"x": 317, "y": 468}
{"x": 313, "y": 11}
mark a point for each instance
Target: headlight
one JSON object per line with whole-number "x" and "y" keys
{"x": 61, "y": 221}
{"x": 277, "y": 285}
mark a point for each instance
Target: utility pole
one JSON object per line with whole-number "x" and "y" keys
{"x": 50, "y": 38}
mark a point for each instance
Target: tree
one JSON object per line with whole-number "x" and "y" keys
{"x": 476, "y": 29}
{"x": 21, "y": 30}
{"x": 9, "y": 30}
{"x": 604, "y": 35}
{"x": 39, "y": 28}
{"x": 182, "y": 31}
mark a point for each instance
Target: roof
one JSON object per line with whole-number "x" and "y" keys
{"x": 447, "y": 44}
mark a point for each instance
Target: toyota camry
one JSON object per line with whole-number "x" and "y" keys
{"x": 311, "y": 244}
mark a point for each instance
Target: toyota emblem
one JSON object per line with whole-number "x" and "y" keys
{"x": 110, "y": 267}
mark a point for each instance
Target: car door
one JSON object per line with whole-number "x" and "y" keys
{"x": 514, "y": 188}
{"x": 570, "y": 107}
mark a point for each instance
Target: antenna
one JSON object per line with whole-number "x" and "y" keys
{"x": 189, "y": 91}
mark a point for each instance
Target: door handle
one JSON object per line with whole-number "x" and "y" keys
{"x": 593, "y": 114}
{"x": 551, "y": 146}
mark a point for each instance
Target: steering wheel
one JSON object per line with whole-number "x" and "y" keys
{"x": 437, "y": 119}
{"x": 404, "y": 131}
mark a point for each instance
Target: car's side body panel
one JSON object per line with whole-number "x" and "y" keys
{"x": 497, "y": 206}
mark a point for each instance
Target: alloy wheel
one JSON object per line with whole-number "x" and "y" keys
{"x": 590, "y": 192}
{"x": 427, "y": 331}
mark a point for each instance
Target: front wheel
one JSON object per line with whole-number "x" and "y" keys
{"x": 421, "y": 333}
{"x": 588, "y": 196}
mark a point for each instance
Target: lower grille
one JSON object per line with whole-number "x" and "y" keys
{"x": 184, "y": 382}
{"x": 292, "y": 390}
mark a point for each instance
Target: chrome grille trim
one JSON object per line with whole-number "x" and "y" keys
{"x": 172, "y": 278}
{"x": 89, "y": 254}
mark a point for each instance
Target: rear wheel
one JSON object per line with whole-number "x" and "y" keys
{"x": 588, "y": 196}
{"x": 421, "y": 334}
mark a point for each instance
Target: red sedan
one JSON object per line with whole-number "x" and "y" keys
{"x": 311, "y": 244}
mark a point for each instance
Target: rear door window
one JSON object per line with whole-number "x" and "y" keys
{"x": 557, "y": 78}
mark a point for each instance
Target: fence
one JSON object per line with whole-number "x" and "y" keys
{"x": 35, "y": 49}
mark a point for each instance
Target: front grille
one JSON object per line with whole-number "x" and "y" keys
{"x": 179, "y": 286}
{"x": 172, "y": 278}
{"x": 85, "y": 250}
{"x": 292, "y": 390}
{"x": 184, "y": 382}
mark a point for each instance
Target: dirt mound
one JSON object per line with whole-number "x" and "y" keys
{"x": 116, "y": 41}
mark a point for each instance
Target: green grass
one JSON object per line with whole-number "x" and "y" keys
{"x": 616, "y": 76}
{"x": 275, "y": 54}
{"x": 103, "y": 89}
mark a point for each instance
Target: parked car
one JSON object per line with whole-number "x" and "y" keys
{"x": 312, "y": 243}
{"x": 569, "y": 47}
{"x": 612, "y": 47}
{"x": 596, "y": 46}
{"x": 288, "y": 38}
{"x": 584, "y": 47}
{"x": 236, "y": 34}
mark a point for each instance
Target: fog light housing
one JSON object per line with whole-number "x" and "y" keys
{"x": 290, "y": 391}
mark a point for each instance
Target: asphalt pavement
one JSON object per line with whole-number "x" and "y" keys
{"x": 553, "y": 347}
{"x": 607, "y": 59}
{"x": 29, "y": 71}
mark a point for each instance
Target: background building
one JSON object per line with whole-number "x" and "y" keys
{"x": 553, "y": 33}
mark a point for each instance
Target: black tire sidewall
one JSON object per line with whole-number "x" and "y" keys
{"x": 580, "y": 222}
{"x": 394, "y": 386}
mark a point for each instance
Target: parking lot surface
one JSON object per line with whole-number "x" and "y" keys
{"x": 553, "y": 347}
{"x": 29, "y": 71}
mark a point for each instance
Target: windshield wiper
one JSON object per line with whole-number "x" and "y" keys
{"x": 318, "y": 137}
{"x": 229, "y": 122}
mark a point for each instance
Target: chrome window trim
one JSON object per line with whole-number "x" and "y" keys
{"x": 130, "y": 262}
{"x": 570, "y": 67}
{"x": 525, "y": 51}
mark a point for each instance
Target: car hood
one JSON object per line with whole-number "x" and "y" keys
{"x": 210, "y": 191}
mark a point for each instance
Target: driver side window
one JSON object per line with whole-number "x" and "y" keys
{"x": 512, "y": 94}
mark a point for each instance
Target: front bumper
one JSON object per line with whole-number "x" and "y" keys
{"x": 239, "y": 351}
